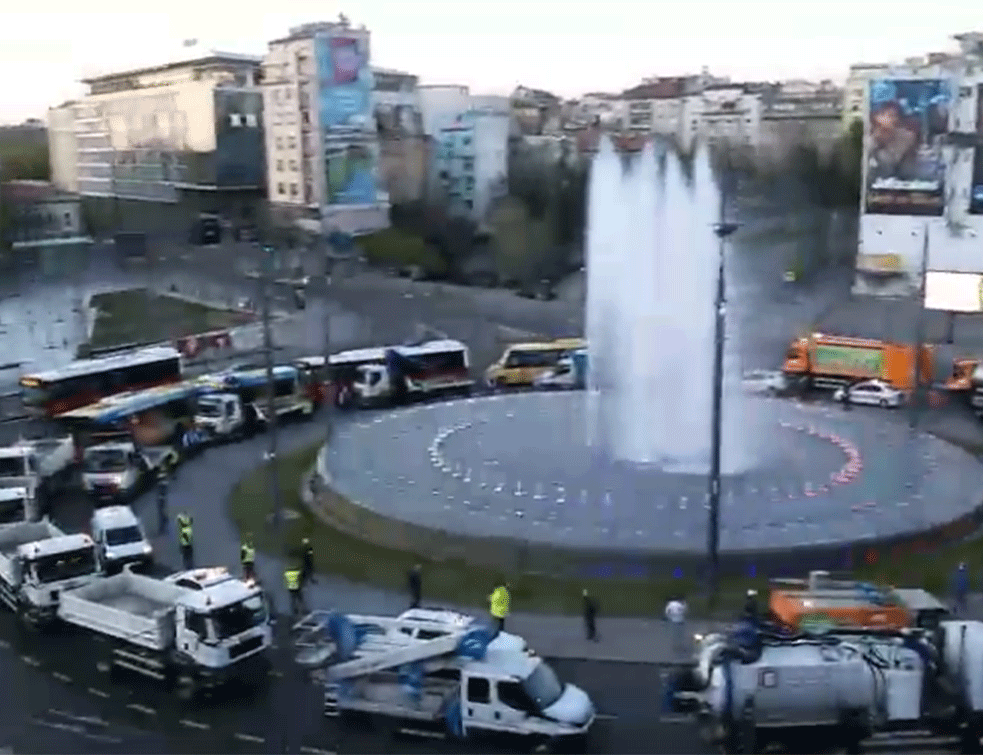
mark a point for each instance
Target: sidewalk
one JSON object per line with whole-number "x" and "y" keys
{"x": 201, "y": 489}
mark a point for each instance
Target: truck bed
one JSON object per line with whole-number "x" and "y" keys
{"x": 12, "y": 536}
{"x": 127, "y": 606}
{"x": 386, "y": 695}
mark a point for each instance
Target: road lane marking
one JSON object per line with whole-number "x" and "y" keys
{"x": 194, "y": 724}
{"x": 252, "y": 738}
{"x": 30, "y": 661}
{"x": 92, "y": 720}
{"x": 62, "y": 677}
{"x": 277, "y": 674}
{"x": 605, "y": 717}
{"x": 315, "y": 751}
{"x": 675, "y": 719}
{"x": 58, "y": 726}
{"x": 4, "y": 644}
{"x": 97, "y": 692}
{"x": 142, "y": 709}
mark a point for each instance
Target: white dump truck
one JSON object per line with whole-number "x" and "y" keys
{"x": 222, "y": 417}
{"x": 195, "y": 633}
{"x": 117, "y": 470}
{"x": 38, "y": 564}
{"x": 440, "y": 673}
{"x": 31, "y": 472}
{"x": 843, "y": 688}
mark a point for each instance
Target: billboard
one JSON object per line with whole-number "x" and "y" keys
{"x": 847, "y": 360}
{"x": 976, "y": 187}
{"x": 905, "y": 169}
{"x": 350, "y": 172}
{"x": 344, "y": 82}
{"x": 954, "y": 292}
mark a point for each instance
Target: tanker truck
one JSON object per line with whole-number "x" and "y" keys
{"x": 758, "y": 687}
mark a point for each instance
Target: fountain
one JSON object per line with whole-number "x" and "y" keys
{"x": 651, "y": 278}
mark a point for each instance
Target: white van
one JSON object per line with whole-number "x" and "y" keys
{"x": 120, "y": 539}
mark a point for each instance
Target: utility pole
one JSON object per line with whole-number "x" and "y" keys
{"x": 917, "y": 397}
{"x": 271, "y": 418}
{"x": 722, "y": 229}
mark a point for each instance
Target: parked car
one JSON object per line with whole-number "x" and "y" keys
{"x": 871, "y": 392}
{"x": 764, "y": 381}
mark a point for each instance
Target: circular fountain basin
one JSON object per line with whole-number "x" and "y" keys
{"x": 517, "y": 467}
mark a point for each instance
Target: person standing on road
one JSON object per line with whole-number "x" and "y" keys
{"x": 247, "y": 555}
{"x": 306, "y": 561}
{"x": 186, "y": 541}
{"x": 294, "y": 583}
{"x": 500, "y": 600}
{"x": 590, "y": 617}
{"x": 676, "y": 616}
{"x": 414, "y": 581}
{"x": 751, "y": 611}
{"x": 162, "y": 484}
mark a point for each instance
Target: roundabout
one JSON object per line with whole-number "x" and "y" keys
{"x": 517, "y": 467}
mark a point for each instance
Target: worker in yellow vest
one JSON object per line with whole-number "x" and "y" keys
{"x": 247, "y": 555}
{"x": 186, "y": 541}
{"x": 500, "y": 606}
{"x": 292, "y": 578}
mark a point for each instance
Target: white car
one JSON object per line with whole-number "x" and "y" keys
{"x": 764, "y": 381}
{"x": 873, "y": 393}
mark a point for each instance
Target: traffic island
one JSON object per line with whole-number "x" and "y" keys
{"x": 139, "y": 316}
{"x": 367, "y": 548}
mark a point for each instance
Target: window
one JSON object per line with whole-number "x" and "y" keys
{"x": 281, "y": 190}
{"x": 68, "y": 220}
{"x": 469, "y": 204}
{"x": 195, "y": 622}
{"x": 468, "y": 164}
{"x": 251, "y": 120}
{"x": 235, "y": 120}
{"x": 466, "y": 141}
{"x": 291, "y": 142}
{"x": 293, "y": 165}
{"x": 279, "y": 164}
{"x": 293, "y": 190}
{"x": 479, "y": 691}
{"x": 469, "y": 182}
{"x": 512, "y": 694}
{"x": 306, "y": 117}
{"x": 279, "y": 143}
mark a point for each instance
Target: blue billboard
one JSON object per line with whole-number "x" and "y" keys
{"x": 351, "y": 173}
{"x": 344, "y": 82}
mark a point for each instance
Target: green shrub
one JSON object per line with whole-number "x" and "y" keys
{"x": 395, "y": 247}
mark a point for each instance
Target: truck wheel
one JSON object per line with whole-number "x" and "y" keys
{"x": 884, "y": 403}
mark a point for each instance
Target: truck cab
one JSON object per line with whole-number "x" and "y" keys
{"x": 48, "y": 568}
{"x": 221, "y": 416}
{"x": 120, "y": 539}
{"x": 112, "y": 471}
{"x": 17, "y": 486}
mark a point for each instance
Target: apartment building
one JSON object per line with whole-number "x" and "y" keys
{"x": 41, "y": 216}
{"x": 322, "y": 147}
{"x": 855, "y": 90}
{"x": 186, "y": 130}
{"x": 800, "y": 113}
{"x": 471, "y": 159}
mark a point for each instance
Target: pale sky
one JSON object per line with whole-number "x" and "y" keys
{"x": 569, "y": 47}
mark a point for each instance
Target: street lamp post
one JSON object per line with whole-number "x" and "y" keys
{"x": 722, "y": 229}
{"x": 917, "y": 394}
{"x": 271, "y": 418}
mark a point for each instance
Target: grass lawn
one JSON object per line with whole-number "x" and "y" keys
{"x": 139, "y": 316}
{"x": 467, "y": 584}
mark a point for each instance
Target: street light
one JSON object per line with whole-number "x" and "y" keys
{"x": 271, "y": 418}
{"x": 723, "y": 230}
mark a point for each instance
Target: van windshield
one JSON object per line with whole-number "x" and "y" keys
{"x": 238, "y": 617}
{"x": 124, "y": 536}
{"x": 543, "y": 687}
{"x": 105, "y": 460}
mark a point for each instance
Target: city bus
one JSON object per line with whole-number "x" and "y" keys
{"x": 291, "y": 394}
{"x": 83, "y": 382}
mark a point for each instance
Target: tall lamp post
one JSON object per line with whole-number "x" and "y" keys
{"x": 723, "y": 230}
{"x": 271, "y": 418}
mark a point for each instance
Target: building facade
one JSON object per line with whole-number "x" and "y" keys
{"x": 321, "y": 134}
{"x": 798, "y": 114}
{"x": 160, "y": 134}
{"x": 855, "y": 90}
{"x": 471, "y": 161}
{"x": 63, "y": 147}
{"x": 41, "y": 216}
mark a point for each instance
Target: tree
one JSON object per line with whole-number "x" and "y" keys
{"x": 24, "y": 160}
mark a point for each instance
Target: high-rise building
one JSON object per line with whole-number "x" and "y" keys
{"x": 322, "y": 148}
{"x": 185, "y": 130}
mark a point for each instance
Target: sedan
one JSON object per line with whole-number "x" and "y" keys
{"x": 764, "y": 381}
{"x": 871, "y": 392}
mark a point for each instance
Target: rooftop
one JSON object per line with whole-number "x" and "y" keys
{"x": 35, "y": 191}
{"x": 656, "y": 90}
{"x": 210, "y": 57}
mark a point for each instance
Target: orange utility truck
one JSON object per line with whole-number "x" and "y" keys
{"x": 824, "y": 361}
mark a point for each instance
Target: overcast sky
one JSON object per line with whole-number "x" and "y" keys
{"x": 569, "y": 47}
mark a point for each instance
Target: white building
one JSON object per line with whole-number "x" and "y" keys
{"x": 855, "y": 90}
{"x": 937, "y": 191}
{"x": 322, "y": 151}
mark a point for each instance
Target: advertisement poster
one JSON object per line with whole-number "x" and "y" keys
{"x": 351, "y": 174}
{"x": 976, "y": 191}
{"x": 345, "y": 82}
{"x": 905, "y": 171}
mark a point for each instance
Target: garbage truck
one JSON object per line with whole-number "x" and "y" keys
{"x": 38, "y": 564}
{"x": 193, "y": 630}
{"x": 759, "y": 686}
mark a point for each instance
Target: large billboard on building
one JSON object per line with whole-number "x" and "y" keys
{"x": 905, "y": 169}
{"x": 344, "y": 82}
{"x": 351, "y": 173}
{"x": 976, "y": 188}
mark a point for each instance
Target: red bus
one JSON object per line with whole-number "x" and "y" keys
{"x": 86, "y": 381}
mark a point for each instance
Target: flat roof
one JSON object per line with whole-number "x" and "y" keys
{"x": 111, "y": 517}
{"x": 213, "y": 56}
{"x": 378, "y": 353}
{"x": 218, "y": 595}
{"x": 101, "y": 364}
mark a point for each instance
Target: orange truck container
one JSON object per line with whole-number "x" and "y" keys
{"x": 823, "y": 602}
{"x": 829, "y": 360}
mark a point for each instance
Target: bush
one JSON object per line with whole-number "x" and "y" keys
{"x": 394, "y": 247}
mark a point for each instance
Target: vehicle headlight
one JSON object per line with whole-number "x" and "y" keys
{"x": 147, "y": 550}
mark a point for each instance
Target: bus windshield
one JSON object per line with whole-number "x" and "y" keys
{"x": 60, "y": 566}
{"x": 105, "y": 460}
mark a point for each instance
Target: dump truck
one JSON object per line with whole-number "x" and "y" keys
{"x": 826, "y": 361}
{"x": 31, "y": 473}
{"x": 189, "y": 632}
{"x": 38, "y": 564}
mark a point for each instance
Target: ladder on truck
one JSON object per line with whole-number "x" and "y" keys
{"x": 340, "y": 648}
